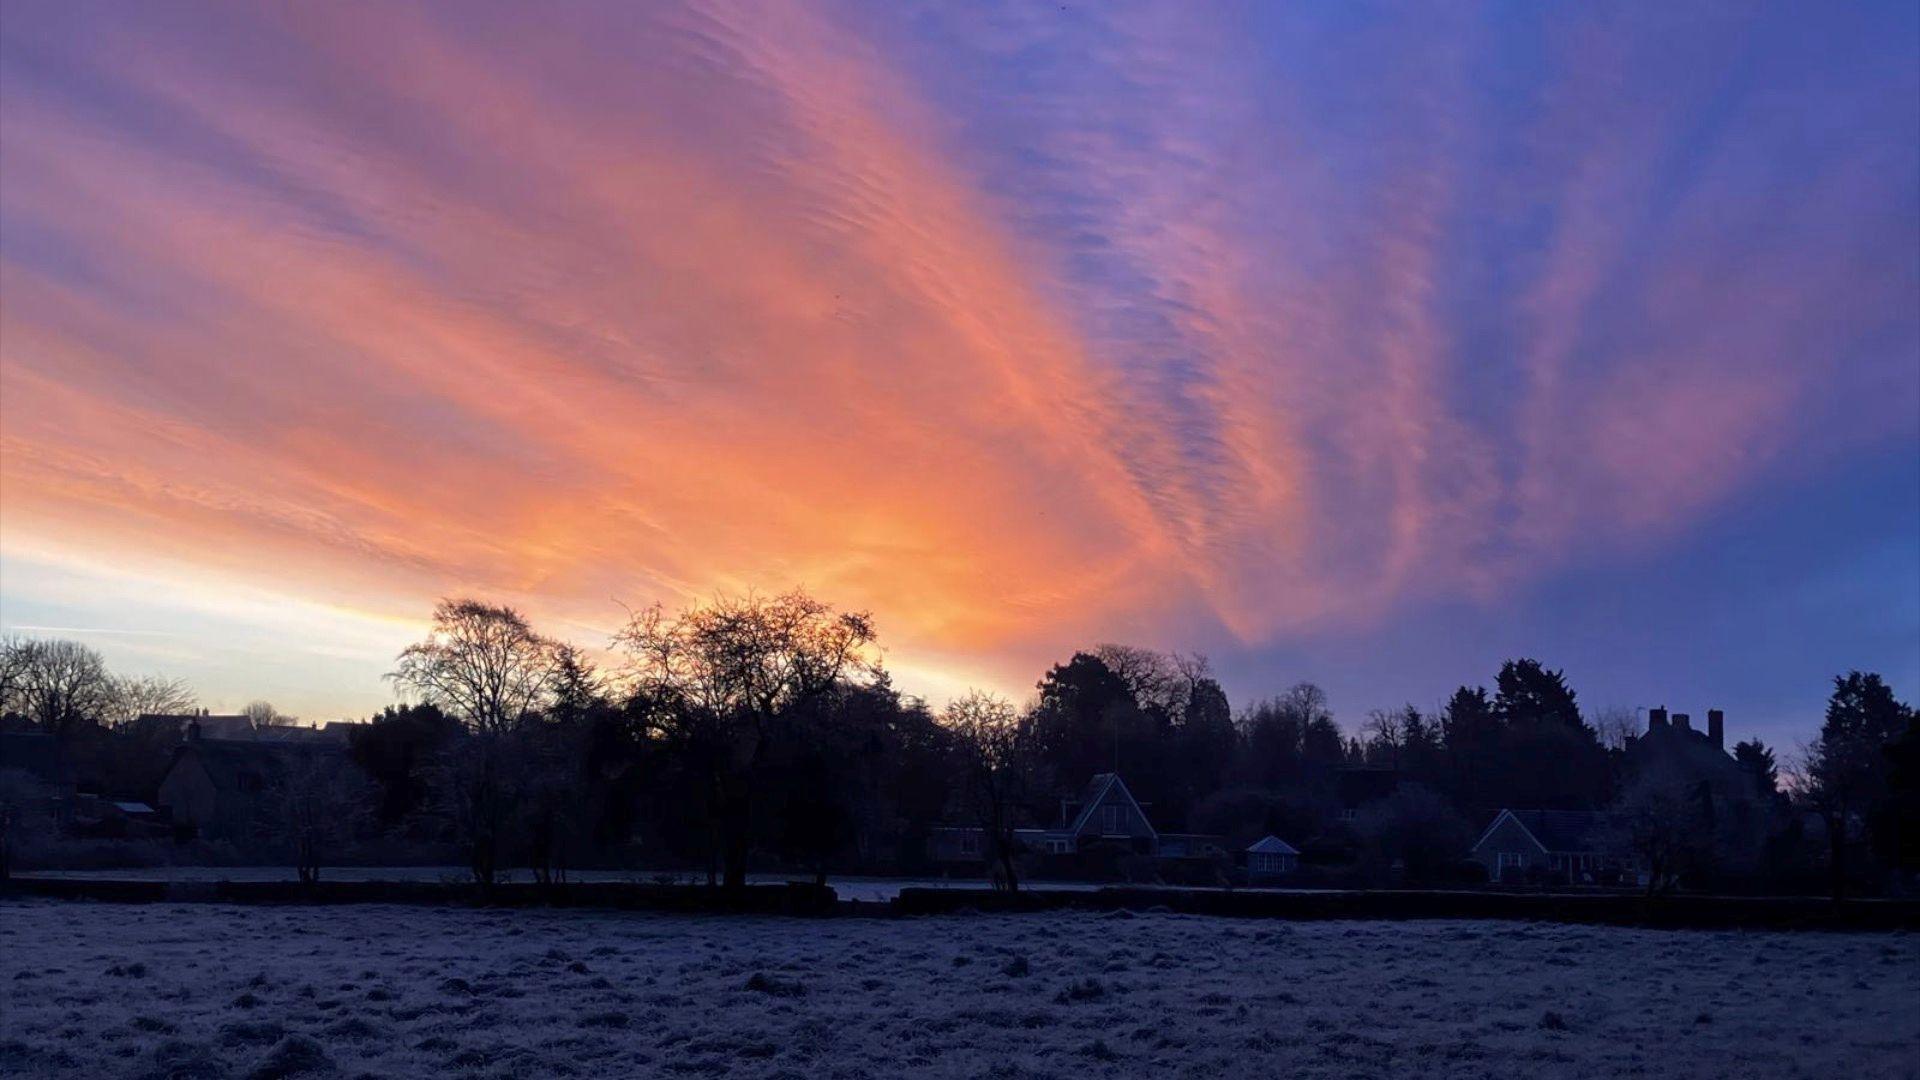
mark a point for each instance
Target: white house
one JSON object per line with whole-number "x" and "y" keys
{"x": 1270, "y": 858}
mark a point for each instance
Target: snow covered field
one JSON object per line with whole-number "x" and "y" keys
{"x": 102, "y": 990}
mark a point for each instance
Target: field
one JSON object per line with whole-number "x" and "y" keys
{"x": 92, "y": 990}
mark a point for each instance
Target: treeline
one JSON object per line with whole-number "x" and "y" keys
{"x": 767, "y": 728}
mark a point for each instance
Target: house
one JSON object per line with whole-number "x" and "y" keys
{"x": 1536, "y": 845}
{"x": 36, "y": 772}
{"x": 1105, "y": 818}
{"x": 228, "y": 726}
{"x": 1269, "y": 859}
{"x": 236, "y": 727}
{"x": 226, "y": 788}
{"x": 332, "y": 733}
{"x": 1356, "y": 787}
{"x": 1673, "y": 748}
{"x": 119, "y": 819}
{"x": 1106, "y": 814}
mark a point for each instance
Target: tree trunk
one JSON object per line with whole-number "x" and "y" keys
{"x": 1837, "y": 857}
{"x": 737, "y": 821}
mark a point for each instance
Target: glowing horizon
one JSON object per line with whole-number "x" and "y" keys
{"x": 1282, "y": 336}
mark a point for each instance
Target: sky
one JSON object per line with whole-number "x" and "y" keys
{"x": 1361, "y": 344}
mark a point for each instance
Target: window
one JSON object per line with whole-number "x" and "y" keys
{"x": 1512, "y": 860}
{"x": 1057, "y": 847}
{"x": 1110, "y": 819}
{"x": 969, "y": 844}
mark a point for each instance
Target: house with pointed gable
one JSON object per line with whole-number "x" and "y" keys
{"x": 1532, "y": 845}
{"x": 1104, "y": 817}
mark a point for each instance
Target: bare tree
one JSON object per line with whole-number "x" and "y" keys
{"x": 999, "y": 769}
{"x": 1384, "y": 735}
{"x": 475, "y": 788}
{"x": 724, "y": 678}
{"x": 145, "y": 695}
{"x": 1617, "y": 726}
{"x": 22, "y": 810}
{"x": 1661, "y": 819}
{"x": 1415, "y": 829}
{"x": 63, "y": 684}
{"x": 481, "y": 663}
{"x": 320, "y": 797}
{"x": 547, "y": 788}
{"x": 262, "y": 714}
{"x": 13, "y": 674}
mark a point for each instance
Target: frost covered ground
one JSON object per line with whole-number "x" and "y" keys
{"x": 102, "y": 990}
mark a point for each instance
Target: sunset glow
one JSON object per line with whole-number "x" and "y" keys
{"x": 1331, "y": 347}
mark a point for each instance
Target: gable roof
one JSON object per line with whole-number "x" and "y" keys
{"x": 1271, "y": 845}
{"x": 212, "y": 725}
{"x": 1358, "y": 785}
{"x": 1097, "y": 789}
{"x": 1556, "y": 831}
{"x": 227, "y": 760}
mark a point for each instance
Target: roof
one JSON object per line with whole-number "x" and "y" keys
{"x": 1271, "y": 845}
{"x": 335, "y": 732}
{"x": 1556, "y": 831}
{"x": 133, "y": 808}
{"x": 226, "y": 760}
{"x": 1097, "y": 789}
{"x": 1358, "y": 785}
{"x": 41, "y": 755}
{"x": 212, "y": 725}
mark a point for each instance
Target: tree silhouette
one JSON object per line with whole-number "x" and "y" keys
{"x": 1547, "y": 755}
{"x": 1846, "y": 771}
{"x": 725, "y": 678}
{"x": 1758, "y": 761}
{"x": 481, "y": 663}
{"x": 61, "y": 685}
{"x": 1000, "y": 760}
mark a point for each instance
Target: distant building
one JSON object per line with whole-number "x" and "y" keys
{"x": 1106, "y": 817}
{"x": 1270, "y": 859}
{"x": 225, "y": 788}
{"x": 43, "y": 772}
{"x": 230, "y": 726}
{"x": 1536, "y": 845}
{"x": 1673, "y": 746}
{"x": 117, "y": 819}
{"x": 332, "y": 733}
{"x": 235, "y": 727}
{"x": 1358, "y": 786}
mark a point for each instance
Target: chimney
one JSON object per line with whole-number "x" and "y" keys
{"x": 1717, "y": 728}
{"x": 1656, "y": 719}
{"x": 1682, "y": 722}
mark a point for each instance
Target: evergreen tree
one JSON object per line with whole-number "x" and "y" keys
{"x": 1759, "y": 764}
{"x": 1847, "y": 770}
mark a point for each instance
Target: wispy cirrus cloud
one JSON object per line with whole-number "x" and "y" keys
{"x": 1019, "y": 326}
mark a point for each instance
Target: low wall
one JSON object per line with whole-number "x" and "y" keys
{"x": 792, "y": 899}
{"x": 1677, "y": 912}
{"x": 1692, "y": 912}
